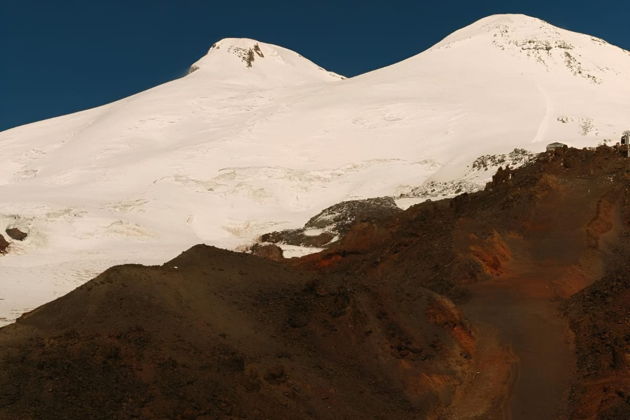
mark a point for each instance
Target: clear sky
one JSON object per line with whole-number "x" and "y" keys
{"x": 61, "y": 56}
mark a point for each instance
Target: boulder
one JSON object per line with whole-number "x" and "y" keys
{"x": 269, "y": 251}
{"x": 16, "y": 234}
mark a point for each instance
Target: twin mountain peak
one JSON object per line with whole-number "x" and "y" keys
{"x": 519, "y": 39}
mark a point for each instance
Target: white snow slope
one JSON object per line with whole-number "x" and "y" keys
{"x": 257, "y": 138}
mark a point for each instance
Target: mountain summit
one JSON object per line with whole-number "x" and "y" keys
{"x": 257, "y": 138}
{"x": 243, "y": 60}
{"x": 534, "y": 40}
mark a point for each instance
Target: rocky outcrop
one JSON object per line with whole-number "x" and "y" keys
{"x": 477, "y": 175}
{"x": 269, "y": 251}
{"x": 13, "y": 234}
{"x": 16, "y": 234}
{"x": 335, "y": 221}
{"x": 4, "y": 245}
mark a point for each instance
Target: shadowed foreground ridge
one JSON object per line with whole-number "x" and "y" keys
{"x": 511, "y": 302}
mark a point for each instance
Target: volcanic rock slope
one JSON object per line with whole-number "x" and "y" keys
{"x": 538, "y": 265}
{"x": 507, "y": 303}
{"x": 257, "y": 138}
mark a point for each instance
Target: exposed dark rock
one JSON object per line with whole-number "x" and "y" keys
{"x": 16, "y": 234}
{"x": 258, "y": 51}
{"x": 515, "y": 158}
{"x": 249, "y": 58}
{"x": 335, "y": 221}
{"x": 4, "y": 245}
{"x": 299, "y": 238}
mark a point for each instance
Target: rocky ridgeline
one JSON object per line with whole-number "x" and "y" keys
{"x": 478, "y": 175}
{"x": 514, "y": 159}
{"x": 329, "y": 225}
{"x": 436, "y": 190}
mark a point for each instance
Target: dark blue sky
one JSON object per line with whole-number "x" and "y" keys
{"x": 62, "y": 56}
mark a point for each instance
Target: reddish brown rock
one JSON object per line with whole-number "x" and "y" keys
{"x": 269, "y": 251}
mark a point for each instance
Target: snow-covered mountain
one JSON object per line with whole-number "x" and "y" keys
{"x": 258, "y": 138}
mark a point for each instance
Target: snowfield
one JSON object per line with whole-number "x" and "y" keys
{"x": 257, "y": 138}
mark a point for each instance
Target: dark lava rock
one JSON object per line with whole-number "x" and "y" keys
{"x": 17, "y": 234}
{"x": 346, "y": 213}
{"x": 298, "y": 237}
{"x": 3, "y": 245}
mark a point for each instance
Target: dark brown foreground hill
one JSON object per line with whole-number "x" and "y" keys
{"x": 215, "y": 334}
{"x": 508, "y": 303}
